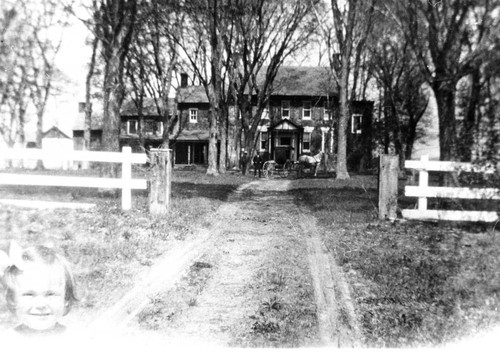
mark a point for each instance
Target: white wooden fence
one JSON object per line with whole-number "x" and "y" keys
{"x": 423, "y": 191}
{"x": 125, "y": 158}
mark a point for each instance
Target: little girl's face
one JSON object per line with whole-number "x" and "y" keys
{"x": 39, "y": 295}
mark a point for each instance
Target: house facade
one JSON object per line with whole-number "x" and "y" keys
{"x": 191, "y": 134}
{"x": 188, "y": 133}
{"x": 301, "y": 118}
{"x": 144, "y": 129}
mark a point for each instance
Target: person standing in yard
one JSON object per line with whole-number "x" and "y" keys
{"x": 40, "y": 289}
{"x": 257, "y": 164}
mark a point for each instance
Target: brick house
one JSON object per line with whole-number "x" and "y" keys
{"x": 151, "y": 129}
{"x": 299, "y": 119}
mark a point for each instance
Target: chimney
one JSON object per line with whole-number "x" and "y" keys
{"x": 184, "y": 80}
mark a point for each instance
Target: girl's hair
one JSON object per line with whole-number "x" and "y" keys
{"x": 42, "y": 255}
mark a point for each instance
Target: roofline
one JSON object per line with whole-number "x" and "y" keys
{"x": 287, "y": 120}
{"x": 56, "y": 128}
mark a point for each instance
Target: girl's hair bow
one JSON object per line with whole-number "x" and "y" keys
{"x": 13, "y": 259}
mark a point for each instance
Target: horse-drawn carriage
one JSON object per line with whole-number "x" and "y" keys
{"x": 271, "y": 167}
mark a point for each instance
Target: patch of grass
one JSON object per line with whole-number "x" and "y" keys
{"x": 106, "y": 246}
{"x": 286, "y": 314}
{"x": 194, "y": 190}
{"x": 360, "y": 182}
{"x": 157, "y": 313}
{"x": 167, "y": 306}
{"x": 414, "y": 283}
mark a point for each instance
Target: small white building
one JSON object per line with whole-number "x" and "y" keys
{"x": 54, "y": 141}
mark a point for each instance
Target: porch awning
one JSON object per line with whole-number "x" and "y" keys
{"x": 193, "y": 135}
{"x": 285, "y": 125}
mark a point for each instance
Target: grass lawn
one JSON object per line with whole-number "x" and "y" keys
{"x": 106, "y": 246}
{"x": 414, "y": 283}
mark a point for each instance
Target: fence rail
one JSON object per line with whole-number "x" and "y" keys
{"x": 125, "y": 158}
{"x": 424, "y": 191}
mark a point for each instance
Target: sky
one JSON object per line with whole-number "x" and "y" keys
{"x": 73, "y": 59}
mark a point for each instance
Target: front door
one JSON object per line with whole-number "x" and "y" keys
{"x": 285, "y": 146}
{"x": 285, "y": 141}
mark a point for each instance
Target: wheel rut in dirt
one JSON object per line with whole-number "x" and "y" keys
{"x": 262, "y": 253}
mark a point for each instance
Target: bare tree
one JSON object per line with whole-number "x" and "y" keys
{"x": 404, "y": 100}
{"x": 345, "y": 35}
{"x": 235, "y": 49}
{"x": 450, "y": 40}
{"x": 266, "y": 34}
{"x": 28, "y": 54}
{"x": 46, "y": 45}
{"x": 113, "y": 22}
{"x": 163, "y": 27}
{"x": 201, "y": 44}
{"x": 14, "y": 92}
{"x": 135, "y": 73}
{"x": 87, "y": 130}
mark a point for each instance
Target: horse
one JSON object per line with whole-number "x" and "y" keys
{"x": 307, "y": 162}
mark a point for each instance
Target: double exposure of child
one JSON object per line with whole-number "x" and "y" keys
{"x": 40, "y": 289}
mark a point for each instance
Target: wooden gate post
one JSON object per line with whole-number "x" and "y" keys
{"x": 160, "y": 181}
{"x": 388, "y": 187}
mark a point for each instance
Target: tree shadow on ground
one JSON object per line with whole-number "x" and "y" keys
{"x": 196, "y": 190}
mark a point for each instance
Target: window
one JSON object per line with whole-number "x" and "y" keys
{"x": 285, "y": 141}
{"x": 326, "y": 109}
{"x": 152, "y": 127}
{"x": 306, "y": 110}
{"x": 132, "y": 127}
{"x": 193, "y": 115}
{"x": 263, "y": 141}
{"x": 149, "y": 127}
{"x": 356, "y": 123}
{"x": 285, "y": 109}
{"x": 306, "y": 142}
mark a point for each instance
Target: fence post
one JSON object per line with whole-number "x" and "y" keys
{"x": 160, "y": 181}
{"x": 126, "y": 178}
{"x": 423, "y": 181}
{"x": 388, "y": 187}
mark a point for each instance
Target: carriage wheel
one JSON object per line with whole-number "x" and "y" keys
{"x": 287, "y": 168}
{"x": 268, "y": 169}
{"x": 264, "y": 170}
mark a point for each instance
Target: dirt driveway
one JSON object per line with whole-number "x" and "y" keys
{"x": 259, "y": 271}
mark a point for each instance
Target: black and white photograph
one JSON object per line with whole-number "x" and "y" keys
{"x": 263, "y": 174}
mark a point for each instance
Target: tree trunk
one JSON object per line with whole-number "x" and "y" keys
{"x": 39, "y": 135}
{"x": 87, "y": 129}
{"x": 112, "y": 102}
{"x": 342, "y": 173}
{"x": 410, "y": 140}
{"x": 212, "y": 147}
{"x": 140, "y": 115}
{"x": 468, "y": 130}
{"x": 445, "y": 99}
{"x": 223, "y": 141}
{"x": 215, "y": 91}
{"x": 166, "y": 125}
